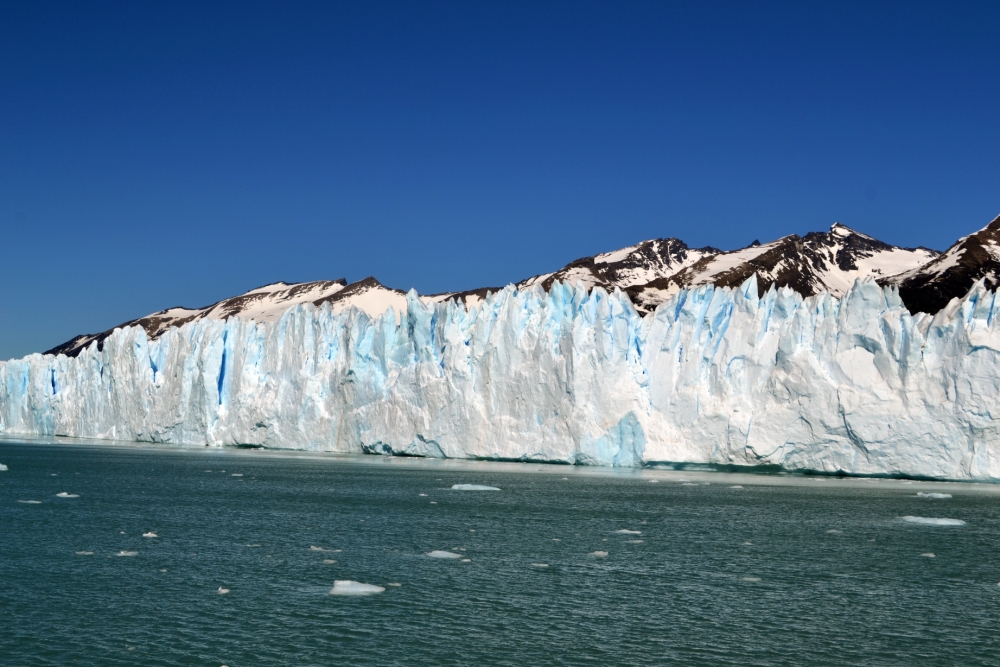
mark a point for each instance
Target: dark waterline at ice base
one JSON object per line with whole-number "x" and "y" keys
{"x": 115, "y": 555}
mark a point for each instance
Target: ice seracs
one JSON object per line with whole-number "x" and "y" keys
{"x": 723, "y": 376}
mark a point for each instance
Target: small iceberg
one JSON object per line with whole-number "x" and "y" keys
{"x": 84, "y": 553}
{"x": 633, "y": 541}
{"x": 539, "y": 565}
{"x": 311, "y": 548}
{"x": 473, "y": 487}
{"x": 626, "y": 531}
{"x": 150, "y": 534}
{"x": 348, "y": 587}
{"x": 443, "y": 554}
{"x": 928, "y": 555}
{"x": 127, "y": 553}
{"x": 30, "y": 502}
{"x": 223, "y": 591}
{"x": 328, "y": 561}
{"x": 928, "y": 521}
{"x": 598, "y": 554}
{"x": 933, "y": 496}
{"x": 237, "y": 474}
{"x": 736, "y": 486}
{"x": 394, "y": 584}
{"x": 834, "y": 531}
{"x": 466, "y": 560}
{"x": 3, "y": 468}
{"x": 63, "y": 494}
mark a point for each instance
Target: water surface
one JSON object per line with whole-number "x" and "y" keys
{"x": 783, "y": 571}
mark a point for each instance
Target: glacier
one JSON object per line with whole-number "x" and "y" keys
{"x": 719, "y": 376}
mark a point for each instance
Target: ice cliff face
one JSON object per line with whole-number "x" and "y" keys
{"x": 714, "y": 375}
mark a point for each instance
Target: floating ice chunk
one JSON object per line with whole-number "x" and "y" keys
{"x": 688, "y": 484}
{"x": 163, "y": 569}
{"x": 654, "y": 481}
{"x": 223, "y": 591}
{"x": 466, "y": 560}
{"x": 313, "y": 548}
{"x": 348, "y": 587}
{"x": 928, "y": 555}
{"x": 473, "y": 487}
{"x": 929, "y": 521}
{"x": 422, "y": 495}
{"x": 749, "y": 578}
{"x": 328, "y": 561}
{"x": 634, "y": 541}
{"x": 598, "y": 554}
{"x": 30, "y": 502}
{"x": 933, "y": 496}
{"x": 556, "y": 539}
{"x": 394, "y": 584}
{"x": 626, "y": 531}
{"x": 443, "y": 554}
{"x": 748, "y": 544}
{"x": 63, "y": 494}
{"x": 150, "y": 534}
{"x": 736, "y": 486}
{"x": 84, "y": 553}
{"x": 237, "y": 474}
{"x": 834, "y": 531}
{"x": 3, "y": 468}
{"x": 539, "y": 565}
{"x": 253, "y": 545}
{"x": 433, "y": 502}
{"x": 127, "y": 553}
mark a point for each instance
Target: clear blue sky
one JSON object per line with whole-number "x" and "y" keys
{"x": 161, "y": 154}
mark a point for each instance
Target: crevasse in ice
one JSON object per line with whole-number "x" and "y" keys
{"x": 715, "y": 375}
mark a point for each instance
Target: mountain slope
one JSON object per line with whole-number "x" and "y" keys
{"x": 952, "y": 274}
{"x": 650, "y": 272}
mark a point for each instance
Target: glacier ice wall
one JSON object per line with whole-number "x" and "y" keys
{"x": 715, "y": 375}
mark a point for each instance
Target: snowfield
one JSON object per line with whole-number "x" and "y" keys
{"x": 714, "y": 375}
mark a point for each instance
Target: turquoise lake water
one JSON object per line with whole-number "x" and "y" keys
{"x": 783, "y": 571}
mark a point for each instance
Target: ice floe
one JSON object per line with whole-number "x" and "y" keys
{"x": 473, "y": 487}
{"x": 394, "y": 584}
{"x": 933, "y": 496}
{"x": 930, "y": 521}
{"x": 598, "y": 554}
{"x": 150, "y": 534}
{"x": 63, "y": 494}
{"x": 539, "y": 565}
{"x": 84, "y": 553}
{"x": 349, "y": 587}
{"x": 127, "y": 553}
{"x": 223, "y": 591}
{"x": 328, "y": 561}
{"x": 466, "y": 560}
{"x": 314, "y": 548}
{"x": 736, "y": 486}
{"x": 634, "y": 541}
{"x": 3, "y": 468}
{"x": 237, "y": 474}
{"x": 626, "y": 531}
{"x": 834, "y": 531}
{"x": 928, "y": 555}
{"x": 30, "y": 502}
{"x": 443, "y": 554}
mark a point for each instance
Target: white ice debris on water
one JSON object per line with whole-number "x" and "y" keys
{"x": 150, "y": 534}
{"x": 30, "y": 502}
{"x": 929, "y": 521}
{"x": 473, "y": 487}
{"x": 714, "y": 375}
{"x": 348, "y": 587}
{"x": 127, "y": 553}
{"x": 63, "y": 494}
{"x": 3, "y": 468}
{"x": 933, "y": 496}
{"x": 626, "y": 531}
{"x": 598, "y": 554}
{"x": 223, "y": 591}
{"x": 443, "y": 554}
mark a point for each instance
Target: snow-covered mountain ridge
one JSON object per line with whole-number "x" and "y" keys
{"x": 650, "y": 273}
{"x": 715, "y": 375}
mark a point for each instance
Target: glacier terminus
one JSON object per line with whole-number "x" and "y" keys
{"x": 715, "y": 375}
